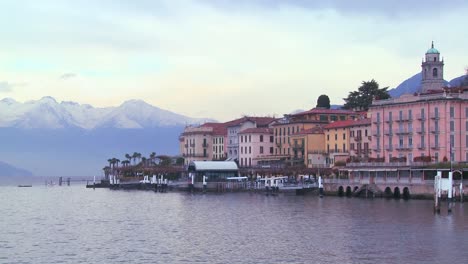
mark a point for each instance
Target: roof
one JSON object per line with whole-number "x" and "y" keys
{"x": 258, "y": 130}
{"x": 432, "y": 50}
{"x": 260, "y": 121}
{"x": 214, "y": 165}
{"x": 325, "y": 111}
{"x": 339, "y": 124}
{"x": 218, "y": 128}
{"x": 314, "y": 130}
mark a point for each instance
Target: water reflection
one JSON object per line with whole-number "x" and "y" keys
{"x": 73, "y": 225}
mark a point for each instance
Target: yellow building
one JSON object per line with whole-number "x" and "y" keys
{"x": 337, "y": 135}
{"x": 308, "y": 147}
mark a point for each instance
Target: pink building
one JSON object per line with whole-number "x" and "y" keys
{"x": 254, "y": 143}
{"x": 414, "y": 127}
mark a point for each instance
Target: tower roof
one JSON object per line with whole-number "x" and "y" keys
{"x": 432, "y": 50}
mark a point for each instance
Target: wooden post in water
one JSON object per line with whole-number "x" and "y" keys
{"x": 60, "y": 181}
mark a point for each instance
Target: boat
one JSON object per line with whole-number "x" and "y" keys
{"x": 24, "y": 185}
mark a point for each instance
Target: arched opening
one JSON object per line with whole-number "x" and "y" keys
{"x": 355, "y": 188}
{"x": 340, "y": 191}
{"x": 434, "y": 72}
{"x": 348, "y": 191}
{"x": 396, "y": 193}
{"x": 406, "y": 193}
{"x": 388, "y": 192}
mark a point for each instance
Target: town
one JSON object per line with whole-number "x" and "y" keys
{"x": 391, "y": 147}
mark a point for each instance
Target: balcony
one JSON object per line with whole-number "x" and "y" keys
{"x": 376, "y": 148}
{"x": 404, "y": 131}
{"x": 435, "y": 130}
{"x": 298, "y": 146}
{"x": 388, "y": 132}
{"x": 192, "y": 145}
{"x": 388, "y": 120}
{"x": 421, "y": 146}
{"x": 404, "y": 118}
{"x": 205, "y": 145}
{"x": 435, "y": 146}
{"x": 403, "y": 147}
{"x": 435, "y": 116}
{"x": 421, "y": 117}
{"x": 358, "y": 138}
{"x": 186, "y": 145}
{"x": 389, "y": 147}
{"x": 377, "y": 121}
{"x": 376, "y": 133}
{"x": 421, "y": 130}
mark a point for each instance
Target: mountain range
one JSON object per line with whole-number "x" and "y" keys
{"x": 47, "y": 113}
{"x": 50, "y": 138}
{"x": 413, "y": 85}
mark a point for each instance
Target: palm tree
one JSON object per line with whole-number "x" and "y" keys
{"x": 152, "y": 156}
{"x": 143, "y": 161}
{"x": 134, "y": 156}
{"x": 128, "y": 156}
{"x": 110, "y": 162}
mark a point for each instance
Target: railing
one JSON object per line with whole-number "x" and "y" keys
{"x": 435, "y": 130}
{"x": 421, "y": 130}
{"x": 388, "y": 132}
{"x": 357, "y": 138}
{"x": 420, "y": 117}
{"x": 205, "y": 145}
{"x": 388, "y": 147}
{"x": 298, "y": 146}
{"x": 192, "y": 145}
{"x": 435, "y": 116}
{"x": 421, "y": 146}
{"x": 388, "y": 120}
{"x": 435, "y": 146}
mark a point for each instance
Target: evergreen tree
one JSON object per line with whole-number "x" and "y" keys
{"x": 362, "y": 98}
{"x": 323, "y": 101}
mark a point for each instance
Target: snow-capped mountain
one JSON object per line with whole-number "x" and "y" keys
{"x": 48, "y": 113}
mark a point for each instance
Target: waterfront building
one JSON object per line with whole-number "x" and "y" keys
{"x": 360, "y": 140}
{"x": 254, "y": 144}
{"x": 428, "y": 126}
{"x": 337, "y": 141}
{"x": 238, "y": 125}
{"x": 196, "y": 142}
{"x": 294, "y": 123}
{"x": 308, "y": 148}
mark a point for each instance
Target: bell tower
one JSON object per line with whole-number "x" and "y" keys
{"x": 432, "y": 71}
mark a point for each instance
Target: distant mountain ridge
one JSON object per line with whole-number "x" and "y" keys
{"x": 7, "y": 170}
{"x": 413, "y": 85}
{"x": 50, "y": 114}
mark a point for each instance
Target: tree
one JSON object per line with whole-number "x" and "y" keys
{"x": 129, "y": 157}
{"x": 323, "y": 101}
{"x": 362, "y": 98}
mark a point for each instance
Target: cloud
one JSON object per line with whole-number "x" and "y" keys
{"x": 68, "y": 75}
{"x": 6, "y": 87}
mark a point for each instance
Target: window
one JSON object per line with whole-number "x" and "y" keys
{"x": 261, "y": 138}
{"x": 410, "y": 142}
{"x": 365, "y": 132}
{"x": 328, "y": 135}
{"x": 261, "y": 149}
{"x": 351, "y": 146}
{"x": 271, "y": 139}
{"x": 344, "y": 147}
{"x": 452, "y": 126}
{"x": 452, "y": 112}
{"x": 271, "y": 150}
{"x": 344, "y": 135}
{"x": 250, "y": 138}
{"x": 336, "y": 136}
{"x": 434, "y": 72}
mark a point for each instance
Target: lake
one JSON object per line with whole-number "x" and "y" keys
{"x": 72, "y": 224}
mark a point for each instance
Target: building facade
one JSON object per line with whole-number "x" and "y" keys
{"x": 254, "y": 144}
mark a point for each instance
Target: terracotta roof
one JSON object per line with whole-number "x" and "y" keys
{"x": 218, "y": 128}
{"x": 260, "y": 121}
{"x": 314, "y": 130}
{"x": 325, "y": 111}
{"x": 259, "y": 130}
{"x": 338, "y": 124}
{"x": 349, "y": 123}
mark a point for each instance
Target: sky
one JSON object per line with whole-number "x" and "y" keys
{"x": 220, "y": 59}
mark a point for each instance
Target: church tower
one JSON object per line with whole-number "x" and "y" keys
{"x": 432, "y": 71}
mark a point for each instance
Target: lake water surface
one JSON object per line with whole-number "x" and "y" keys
{"x": 78, "y": 225}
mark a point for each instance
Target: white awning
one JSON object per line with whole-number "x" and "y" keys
{"x": 214, "y": 165}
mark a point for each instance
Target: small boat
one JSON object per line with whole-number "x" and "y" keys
{"x": 24, "y": 185}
